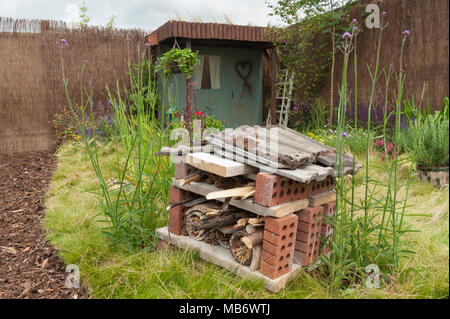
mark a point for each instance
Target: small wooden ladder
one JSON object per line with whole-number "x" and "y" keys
{"x": 284, "y": 93}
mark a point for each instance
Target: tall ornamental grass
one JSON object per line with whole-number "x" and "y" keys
{"x": 133, "y": 207}
{"x": 368, "y": 229}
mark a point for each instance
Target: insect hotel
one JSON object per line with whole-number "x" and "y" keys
{"x": 259, "y": 213}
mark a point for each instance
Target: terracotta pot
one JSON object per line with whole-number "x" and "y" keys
{"x": 438, "y": 176}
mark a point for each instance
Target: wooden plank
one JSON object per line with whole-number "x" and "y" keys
{"x": 233, "y": 192}
{"x": 321, "y": 199}
{"x": 247, "y": 204}
{"x": 218, "y": 165}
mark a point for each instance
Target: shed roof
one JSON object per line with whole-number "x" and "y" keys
{"x": 206, "y": 31}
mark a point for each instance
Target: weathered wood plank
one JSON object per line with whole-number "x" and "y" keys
{"x": 218, "y": 165}
{"x": 321, "y": 199}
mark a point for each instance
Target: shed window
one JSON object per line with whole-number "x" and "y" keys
{"x": 207, "y": 74}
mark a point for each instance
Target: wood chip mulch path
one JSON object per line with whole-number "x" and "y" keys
{"x": 29, "y": 265}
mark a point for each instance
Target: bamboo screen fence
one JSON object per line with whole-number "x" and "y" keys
{"x": 31, "y": 86}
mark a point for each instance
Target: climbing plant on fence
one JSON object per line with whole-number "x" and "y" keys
{"x": 308, "y": 45}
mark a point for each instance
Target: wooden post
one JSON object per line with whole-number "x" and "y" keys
{"x": 189, "y": 88}
{"x": 273, "y": 93}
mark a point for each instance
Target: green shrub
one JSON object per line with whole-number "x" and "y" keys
{"x": 427, "y": 140}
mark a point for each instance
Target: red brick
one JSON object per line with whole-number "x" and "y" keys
{"x": 310, "y": 214}
{"x": 177, "y": 194}
{"x": 329, "y": 208}
{"x": 281, "y": 226}
{"x": 273, "y": 272}
{"x": 177, "y": 219}
{"x": 319, "y": 187}
{"x": 307, "y": 227}
{"x": 275, "y": 260}
{"x": 307, "y": 237}
{"x": 272, "y": 190}
{"x": 278, "y": 240}
{"x": 177, "y": 214}
{"x": 305, "y": 247}
{"x": 183, "y": 170}
{"x": 277, "y": 249}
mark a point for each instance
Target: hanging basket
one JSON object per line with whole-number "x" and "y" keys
{"x": 438, "y": 176}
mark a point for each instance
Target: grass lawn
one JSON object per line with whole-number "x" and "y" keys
{"x": 74, "y": 227}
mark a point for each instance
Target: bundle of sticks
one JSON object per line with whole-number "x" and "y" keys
{"x": 238, "y": 230}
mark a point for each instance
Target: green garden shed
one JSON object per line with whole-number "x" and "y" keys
{"x": 229, "y": 81}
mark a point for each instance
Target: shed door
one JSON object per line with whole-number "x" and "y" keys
{"x": 245, "y": 87}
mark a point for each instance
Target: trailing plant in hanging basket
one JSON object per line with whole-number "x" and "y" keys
{"x": 178, "y": 61}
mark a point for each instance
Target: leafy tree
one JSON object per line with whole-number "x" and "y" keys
{"x": 308, "y": 44}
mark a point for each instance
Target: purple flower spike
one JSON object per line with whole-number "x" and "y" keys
{"x": 384, "y": 13}
{"x": 346, "y": 35}
{"x": 406, "y": 32}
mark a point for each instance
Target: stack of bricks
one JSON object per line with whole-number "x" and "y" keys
{"x": 307, "y": 245}
{"x": 278, "y": 245}
{"x": 272, "y": 190}
{"x": 327, "y": 229}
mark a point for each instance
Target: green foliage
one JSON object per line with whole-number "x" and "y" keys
{"x": 183, "y": 59}
{"x": 211, "y": 122}
{"x": 83, "y": 15}
{"x": 307, "y": 117}
{"x": 73, "y": 225}
{"x": 427, "y": 140}
{"x": 111, "y": 24}
{"x": 65, "y": 125}
{"x": 133, "y": 203}
{"x": 305, "y": 46}
{"x": 142, "y": 79}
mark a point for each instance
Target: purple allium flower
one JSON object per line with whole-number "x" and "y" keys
{"x": 296, "y": 108}
{"x": 343, "y": 134}
{"x": 354, "y": 21}
{"x": 346, "y": 35}
{"x": 406, "y": 32}
{"x": 384, "y": 13}
{"x": 64, "y": 41}
{"x": 355, "y": 28}
{"x": 127, "y": 38}
{"x": 147, "y": 44}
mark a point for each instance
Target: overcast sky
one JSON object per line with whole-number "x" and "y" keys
{"x": 145, "y": 14}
